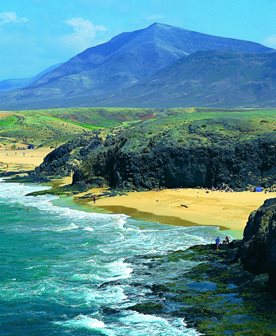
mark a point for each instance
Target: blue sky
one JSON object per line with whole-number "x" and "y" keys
{"x": 35, "y": 34}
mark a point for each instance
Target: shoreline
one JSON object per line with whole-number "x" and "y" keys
{"x": 212, "y": 286}
{"x": 187, "y": 207}
{"x": 151, "y": 217}
{"x": 214, "y": 295}
{"x": 181, "y": 207}
{"x": 80, "y": 231}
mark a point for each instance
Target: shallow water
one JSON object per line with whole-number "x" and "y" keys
{"x": 64, "y": 271}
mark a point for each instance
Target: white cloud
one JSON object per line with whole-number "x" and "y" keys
{"x": 83, "y": 35}
{"x": 270, "y": 41}
{"x": 11, "y": 17}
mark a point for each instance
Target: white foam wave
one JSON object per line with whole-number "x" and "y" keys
{"x": 141, "y": 324}
{"x": 89, "y": 229}
{"x": 70, "y": 227}
{"x": 16, "y": 193}
{"x": 112, "y": 295}
{"x": 116, "y": 270}
{"x": 120, "y": 221}
{"x": 84, "y": 322}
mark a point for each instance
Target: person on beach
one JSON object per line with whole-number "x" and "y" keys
{"x": 94, "y": 199}
{"x": 217, "y": 243}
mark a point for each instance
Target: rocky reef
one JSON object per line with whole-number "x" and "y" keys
{"x": 212, "y": 290}
{"x": 215, "y": 296}
{"x": 170, "y": 152}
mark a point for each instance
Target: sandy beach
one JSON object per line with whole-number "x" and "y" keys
{"x": 229, "y": 210}
{"x": 16, "y": 160}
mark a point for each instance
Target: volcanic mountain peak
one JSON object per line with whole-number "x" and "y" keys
{"x": 125, "y": 60}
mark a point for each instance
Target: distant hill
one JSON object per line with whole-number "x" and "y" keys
{"x": 124, "y": 61}
{"x": 19, "y": 83}
{"x": 13, "y": 84}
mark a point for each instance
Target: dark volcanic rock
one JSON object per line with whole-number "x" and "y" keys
{"x": 170, "y": 153}
{"x": 258, "y": 250}
{"x": 132, "y": 161}
{"x": 215, "y": 295}
{"x": 66, "y": 158}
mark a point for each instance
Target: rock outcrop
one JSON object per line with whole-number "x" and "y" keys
{"x": 170, "y": 152}
{"x": 206, "y": 288}
{"x": 258, "y": 250}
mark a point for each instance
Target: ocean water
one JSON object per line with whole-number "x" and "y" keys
{"x": 69, "y": 272}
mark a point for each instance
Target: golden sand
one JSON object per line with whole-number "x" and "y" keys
{"x": 11, "y": 160}
{"x": 171, "y": 206}
{"x": 189, "y": 206}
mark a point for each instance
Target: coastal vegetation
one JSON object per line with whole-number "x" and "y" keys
{"x": 52, "y": 127}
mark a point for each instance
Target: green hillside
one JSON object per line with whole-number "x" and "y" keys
{"x": 52, "y": 127}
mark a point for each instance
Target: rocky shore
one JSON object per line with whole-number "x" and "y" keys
{"x": 218, "y": 295}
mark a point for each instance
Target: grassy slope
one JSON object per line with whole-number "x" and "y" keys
{"x": 56, "y": 126}
{"x": 51, "y": 127}
{"x": 224, "y": 124}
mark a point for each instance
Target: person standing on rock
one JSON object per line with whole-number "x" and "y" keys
{"x": 227, "y": 240}
{"x": 94, "y": 199}
{"x": 217, "y": 243}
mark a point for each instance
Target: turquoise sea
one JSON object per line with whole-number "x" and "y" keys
{"x": 65, "y": 271}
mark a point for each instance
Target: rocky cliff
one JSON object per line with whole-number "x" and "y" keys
{"x": 258, "y": 250}
{"x": 170, "y": 152}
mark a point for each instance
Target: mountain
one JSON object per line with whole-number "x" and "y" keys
{"x": 18, "y": 83}
{"x": 208, "y": 78}
{"x": 122, "y": 62}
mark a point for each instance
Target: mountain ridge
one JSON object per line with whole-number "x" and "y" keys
{"x": 126, "y": 60}
{"x": 208, "y": 78}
